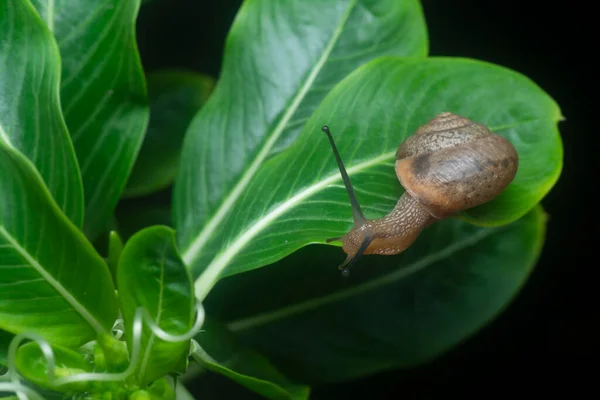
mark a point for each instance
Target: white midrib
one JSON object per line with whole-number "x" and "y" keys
{"x": 78, "y": 307}
{"x": 50, "y": 15}
{"x": 211, "y": 274}
{"x": 5, "y": 138}
{"x": 161, "y": 291}
{"x": 289, "y": 311}
{"x": 190, "y": 253}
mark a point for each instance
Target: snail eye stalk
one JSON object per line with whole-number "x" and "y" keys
{"x": 359, "y": 218}
{"x": 357, "y": 214}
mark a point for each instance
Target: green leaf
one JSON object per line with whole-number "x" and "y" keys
{"x": 111, "y": 354}
{"x": 393, "y": 311}
{"x": 32, "y": 364}
{"x": 161, "y": 390}
{"x": 175, "y": 97}
{"x": 52, "y": 281}
{"x": 30, "y": 116}
{"x": 181, "y": 366}
{"x": 103, "y": 95}
{"x": 281, "y": 59}
{"x": 298, "y": 198}
{"x": 115, "y": 248}
{"x": 151, "y": 275}
{"x": 220, "y": 352}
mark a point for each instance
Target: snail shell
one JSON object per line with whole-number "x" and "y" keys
{"x": 452, "y": 164}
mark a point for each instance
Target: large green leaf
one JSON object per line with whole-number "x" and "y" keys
{"x": 281, "y": 59}
{"x": 151, "y": 275}
{"x": 30, "y": 115}
{"x": 393, "y": 311}
{"x": 52, "y": 281}
{"x": 175, "y": 97}
{"x": 220, "y": 352}
{"x": 103, "y": 95}
{"x": 297, "y": 198}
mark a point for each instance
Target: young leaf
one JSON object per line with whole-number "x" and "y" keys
{"x": 175, "y": 97}
{"x": 111, "y": 354}
{"x": 220, "y": 352}
{"x": 151, "y": 275}
{"x": 115, "y": 248}
{"x": 397, "y": 311}
{"x": 30, "y": 116}
{"x": 297, "y": 197}
{"x": 52, "y": 281}
{"x": 103, "y": 95}
{"x": 32, "y": 364}
{"x": 281, "y": 59}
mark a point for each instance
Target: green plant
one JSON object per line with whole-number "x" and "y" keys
{"x": 84, "y": 315}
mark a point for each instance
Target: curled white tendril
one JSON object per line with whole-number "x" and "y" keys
{"x": 10, "y": 382}
{"x": 118, "y": 329}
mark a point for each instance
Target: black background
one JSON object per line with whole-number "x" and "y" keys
{"x": 548, "y": 337}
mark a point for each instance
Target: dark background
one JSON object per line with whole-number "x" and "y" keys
{"x": 548, "y": 337}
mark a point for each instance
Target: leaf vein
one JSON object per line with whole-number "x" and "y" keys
{"x": 285, "y": 312}
{"x": 52, "y": 281}
{"x": 192, "y": 250}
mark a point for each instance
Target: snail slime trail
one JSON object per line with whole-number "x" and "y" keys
{"x": 450, "y": 164}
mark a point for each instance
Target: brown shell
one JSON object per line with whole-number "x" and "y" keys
{"x": 452, "y": 164}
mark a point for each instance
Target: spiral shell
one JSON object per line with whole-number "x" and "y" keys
{"x": 452, "y": 163}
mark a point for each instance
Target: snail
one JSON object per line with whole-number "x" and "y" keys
{"x": 450, "y": 164}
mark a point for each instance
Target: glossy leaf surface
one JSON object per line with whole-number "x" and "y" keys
{"x": 151, "y": 275}
{"x": 30, "y": 115}
{"x": 220, "y": 352}
{"x": 175, "y": 97}
{"x": 103, "y": 95}
{"x": 392, "y": 311}
{"x": 298, "y": 197}
{"x": 281, "y": 59}
{"x": 52, "y": 281}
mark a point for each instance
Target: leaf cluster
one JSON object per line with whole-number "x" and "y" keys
{"x": 101, "y": 289}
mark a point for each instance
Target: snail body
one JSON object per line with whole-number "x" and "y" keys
{"x": 450, "y": 164}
